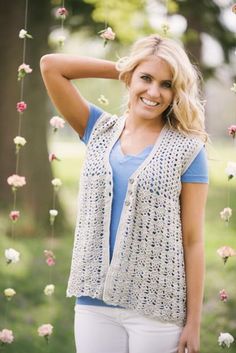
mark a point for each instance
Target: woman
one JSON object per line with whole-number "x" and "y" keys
{"x": 138, "y": 260}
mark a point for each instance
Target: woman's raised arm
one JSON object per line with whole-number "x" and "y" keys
{"x": 58, "y": 70}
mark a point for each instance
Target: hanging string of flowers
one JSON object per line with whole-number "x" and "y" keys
{"x": 16, "y": 181}
{"x": 107, "y": 35}
{"x": 56, "y": 123}
{"x": 225, "y": 339}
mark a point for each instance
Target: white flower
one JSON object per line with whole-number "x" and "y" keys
{"x": 231, "y": 170}
{"x": 225, "y": 339}
{"x": 226, "y": 214}
{"x": 233, "y": 88}
{"x": 24, "y": 34}
{"x": 57, "y": 122}
{"x": 49, "y": 289}
{"x": 103, "y": 100}
{"x": 12, "y": 255}
{"x": 53, "y": 213}
{"x": 9, "y": 292}
{"x": 20, "y": 140}
{"x": 56, "y": 182}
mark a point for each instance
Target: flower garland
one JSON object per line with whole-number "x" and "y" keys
{"x": 225, "y": 252}
{"x": 16, "y": 181}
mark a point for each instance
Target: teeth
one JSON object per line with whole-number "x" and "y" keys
{"x": 150, "y": 103}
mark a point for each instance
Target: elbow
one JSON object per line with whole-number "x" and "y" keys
{"x": 47, "y": 62}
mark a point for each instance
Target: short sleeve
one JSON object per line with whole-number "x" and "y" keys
{"x": 95, "y": 113}
{"x": 197, "y": 172}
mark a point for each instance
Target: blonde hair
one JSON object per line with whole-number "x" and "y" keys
{"x": 187, "y": 112}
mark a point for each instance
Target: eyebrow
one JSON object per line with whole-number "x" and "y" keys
{"x": 146, "y": 74}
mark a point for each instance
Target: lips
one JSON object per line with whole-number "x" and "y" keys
{"x": 149, "y": 103}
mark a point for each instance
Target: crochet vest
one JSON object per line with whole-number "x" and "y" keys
{"x": 147, "y": 271}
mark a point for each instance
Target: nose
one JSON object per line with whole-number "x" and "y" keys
{"x": 154, "y": 91}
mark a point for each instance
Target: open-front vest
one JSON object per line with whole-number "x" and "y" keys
{"x": 147, "y": 272}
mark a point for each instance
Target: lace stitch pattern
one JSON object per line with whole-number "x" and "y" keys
{"x": 147, "y": 271}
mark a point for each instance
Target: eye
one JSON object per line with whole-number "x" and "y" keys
{"x": 146, "y": 78}
{"x": 166, "y": 84}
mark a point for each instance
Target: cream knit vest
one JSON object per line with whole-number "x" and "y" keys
{"x": 147, "y": 272}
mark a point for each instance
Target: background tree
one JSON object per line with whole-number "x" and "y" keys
{"x": 129, "y": 19}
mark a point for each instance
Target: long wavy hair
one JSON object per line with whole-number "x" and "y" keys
{"x": 186, "y": 114}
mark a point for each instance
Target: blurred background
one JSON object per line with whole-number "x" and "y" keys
{"x": 207, "y": 30}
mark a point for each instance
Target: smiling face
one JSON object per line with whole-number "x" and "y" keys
{"x": 150, "y": 89}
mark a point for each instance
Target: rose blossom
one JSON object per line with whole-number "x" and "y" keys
{"x": 56, "y": 122}
{"x": 9, "y": 293}
{"x": 225, "y": 339}
{"x": 225, "y": 252}
{"x": 12, "y": 255}
{"x": 24, "y": 34}
{"x": 50, "y": 261}
{"x": 14, "y": 215}
{"x": 232, "y": 130}
{"x": 50, "y": 257}
{"x": 52, "y": 157}
{"x": 26, "y": 68}
{"x": 223, "y": 295}
{"x": 16, "y": 181}
{"x": 49, "y": 289}
{"x": 53, "y": 214}
{"x": 45, "y": 330}
{"x": 21, "y": 106}
{"x": 107, "y": 34}
{"x": 23, "y": 69}
{"x": 6, "y": 336}
{"x": 56, "y": 182}
{"x": 18, "y": 140}
{"x": 226, "y": 214}
{"x": 62, "y": 12}
{"x": 231, "y": 170}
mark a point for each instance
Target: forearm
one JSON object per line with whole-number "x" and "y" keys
{"x": 75, "y": 66}
{"x": 195, "y": 269}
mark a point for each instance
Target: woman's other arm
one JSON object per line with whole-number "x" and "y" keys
{"x": 193, "y": 201}
{"x": 58, "y": 70}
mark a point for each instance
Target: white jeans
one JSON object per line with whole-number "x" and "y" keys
{"x": 101, "y": 329}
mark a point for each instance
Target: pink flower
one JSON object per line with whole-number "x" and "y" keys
{"x": 50, "y": 261}
{"x": 6, "y": 336}
{"x": 232, "y": 129}
{"x": 45, "y": 330}
{"x": 14, "y": 215}
{"x": 16, "y": 181}
{"x": 107, "y": 34}
{"x": 21, "y": 106}
{"x": 225, "y": 252}
{"x": 56, "y": 122}
{"x": 26, "y": 68}
{"x": 52, "y": 157}
{"x": 50, "y": 257}
{"x": 23, "y": 69}
{"x": 62, "y": 11}
{"x": 223, "y": 295}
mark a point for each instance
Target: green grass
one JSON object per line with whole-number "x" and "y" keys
{"x": 31, "y": 308}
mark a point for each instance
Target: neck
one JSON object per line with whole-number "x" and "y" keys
{"x": 134, "y": 124}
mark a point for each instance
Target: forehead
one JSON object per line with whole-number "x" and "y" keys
{"x": 156, "y": 67}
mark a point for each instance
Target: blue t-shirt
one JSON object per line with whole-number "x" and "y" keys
{"x": 123, "y": 166}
